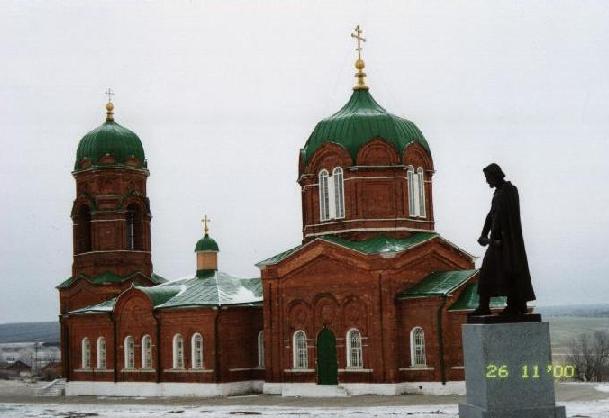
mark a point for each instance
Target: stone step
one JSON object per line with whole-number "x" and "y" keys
{"x": 313, "y": 390}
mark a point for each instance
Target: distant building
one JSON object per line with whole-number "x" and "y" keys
{"x": 373, "y": 294}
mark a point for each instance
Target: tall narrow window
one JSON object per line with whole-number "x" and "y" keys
{"x": 339, "y": 194}
{"x": 85, "y": 348}
{"x": 83, "y": 230}
{"x": 261, "y": 349}
{"x": 414, "y": 191}
{"x": 301, "y": 357}
{"x": 421, "y": 191}
{"x": 129, "y": 350}
{"x": 417, "y": 347}
{"x": 146, "y": 352}
{"x": 101, "y": 353}
{"x": 354, "y": 349}
{"x": 197, "y": 351}
{"x": 130, "y": 229}
{"x": 324, "y": 196}
{"x": 178, "y": 352}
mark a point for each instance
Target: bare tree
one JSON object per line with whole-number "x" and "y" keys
{"x": 589, "y": 353}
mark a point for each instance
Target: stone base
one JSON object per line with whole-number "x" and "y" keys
{"x": 501, "y": 319}
{"x": 86, "y": 388}
{"x": 508, "y": 371}
{"x": 471, "y": 411}
{"x": 357, "y": 389}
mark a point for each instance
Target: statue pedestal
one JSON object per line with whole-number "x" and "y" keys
{"x": 508, "y": 371}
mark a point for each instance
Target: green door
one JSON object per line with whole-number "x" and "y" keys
{"x": 327, "y": 366}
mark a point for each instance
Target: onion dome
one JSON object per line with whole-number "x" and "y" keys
{"x": 206, "y": 244}
{"x": 362, "y": 119}
{"x": 110, "y": 145}
{"x": 359, "y": 121}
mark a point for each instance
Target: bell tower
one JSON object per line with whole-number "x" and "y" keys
{"x": 110, "y": 216}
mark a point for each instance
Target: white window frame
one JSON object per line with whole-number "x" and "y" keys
{"x": 261, "y": 349}
{"x": 85, "y": 353}
{"x": 421, "y": 176}
{"x": 355, "y": 355}
{"x": 197, "y": 353}
{"x": 178, "y": 352}
{"x": 338, "y": 186}
{"x": 129, "y": 352}
{"x": 324, "y": 196}
{"x": 101, "y": 353}
{"x": 300, "y": 350}
{"x": 417, "y": 348}
{"x": 147, "y": 352}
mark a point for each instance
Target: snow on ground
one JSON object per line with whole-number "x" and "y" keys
{"x": 594, "y": 409}
{"x": 602, "y": 388}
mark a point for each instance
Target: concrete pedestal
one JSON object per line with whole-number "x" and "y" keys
{"x": 506, "y": 371}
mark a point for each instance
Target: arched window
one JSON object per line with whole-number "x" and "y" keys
{"x": 178, "y": 352}
{"x": 324, "y": 196}
{"x": 146, "y": 352}
{"x": 134, "y": 228}
{"x": 83, "y": 230}
{"x": 261, "y": 349}
{"x": 196, "y": 344}
{"x": 417, "y": 347}
{"x": 129, "y": 350}
{"x": 101, "y": 353}
{"x": 339, "y": 194}
{"x": 354, "y": 349}
{"x": 85, "y": 353}
{"x": 301, "y": 355}
{"x": 416, "y": 194}
{"x": 421, "y": 191}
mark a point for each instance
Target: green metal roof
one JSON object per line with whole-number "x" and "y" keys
{"x": 469, "y": 300}
{"x": 376, "y": 245}
{"x": 439, "y": 283}
{"x": 216, "y": 289}
{"x": 359, "y": 121}
{"x": 206, "y": 244}
{"x": 160, "y": 294}
{"x": 107, "y": 306}
{"x": 110, "y": 138}
{"x": 109, "y": 277}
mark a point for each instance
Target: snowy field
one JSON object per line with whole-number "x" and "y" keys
{"x": 594, "y": 409}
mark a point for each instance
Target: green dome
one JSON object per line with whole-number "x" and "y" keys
{"x": 359, "y": 121}
{"x": 113, "y": 139}
{"x": 206, "y": 244}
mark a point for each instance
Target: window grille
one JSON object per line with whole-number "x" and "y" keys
{"x": 101, "y": 353}
{"x": 324, "y": 196}
{"x": 417, "y": 338}
{"x": 197, "y": 351}
{"x": 146, "y": 352}
{"x": 354, "y": 349}
{"x": 178, "y": 352}
{"x": 301, "y": 358}
{"x": 129, "y": 348}
{"x": 339, "y": 194}
{"x": 86, "y": 353}
{"x": 421, "y": 191}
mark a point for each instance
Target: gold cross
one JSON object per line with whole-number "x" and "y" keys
{"x": 357, "y": 35}
{"x": 205, "y": 221}
{"x": 109, "y": 93}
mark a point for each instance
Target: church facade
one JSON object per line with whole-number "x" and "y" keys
{"x": 371, "y": 301}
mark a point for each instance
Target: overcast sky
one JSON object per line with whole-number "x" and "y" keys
{"x": 224, "y": 94}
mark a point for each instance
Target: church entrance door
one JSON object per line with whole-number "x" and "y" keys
{"x": 327, "y": 365}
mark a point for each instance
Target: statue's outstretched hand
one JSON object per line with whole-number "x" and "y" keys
{"x": 484, "y": 241}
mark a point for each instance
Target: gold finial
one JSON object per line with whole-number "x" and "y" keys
{"x": 109, "y": 106}
{"x": 205, "y": 221}
{"x": 360, "y": 75}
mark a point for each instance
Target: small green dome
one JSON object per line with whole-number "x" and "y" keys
{"x": 359, "y": 121}
{"x": 206, "y": 244}
{"x": 114, "y": 140}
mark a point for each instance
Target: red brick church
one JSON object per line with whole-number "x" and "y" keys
{"x": 371, "y": 301}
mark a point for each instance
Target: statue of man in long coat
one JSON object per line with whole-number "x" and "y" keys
{"x": 505, "y": 269}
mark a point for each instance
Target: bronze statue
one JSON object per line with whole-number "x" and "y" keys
{"x": 505, "y": 269}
